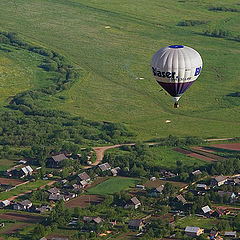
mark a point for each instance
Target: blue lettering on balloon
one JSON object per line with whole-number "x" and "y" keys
{"x": 198, "y": 70}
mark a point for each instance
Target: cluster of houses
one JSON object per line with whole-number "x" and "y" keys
{"x": 25, "y": 205}
{"x": 214, "y": 234}
{"x": 19, "y": 172}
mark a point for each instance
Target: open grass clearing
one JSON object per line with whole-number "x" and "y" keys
{"x": 205, "y": 223}
{"x": 113, "y": 61}
{"x": 19, "y": 72}
{"x": 113, "y": 185}
{"x": 6, "y": 164}
{"x": 167, "y": 157}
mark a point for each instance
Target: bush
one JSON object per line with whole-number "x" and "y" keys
{"x": 191, "y": 22}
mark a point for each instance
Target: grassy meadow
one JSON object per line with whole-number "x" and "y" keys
{"x": 19, "y": 72}
{"x": 112, "y": 60}
{"x": 113, "y": 185}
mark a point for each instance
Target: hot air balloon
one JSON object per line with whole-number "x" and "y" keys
{"x": 175, "y": 68}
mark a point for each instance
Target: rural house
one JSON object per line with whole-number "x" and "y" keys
{"x": 136, "y": 224}
{"x": 133, "y": 203}
{"x": 159, "y": 189}
{"x": 55, "y": 160}
{"x": 77, "y": 187}
{"x": 54, "y": 190}
{"x": 84, "y": 177}
{"x": 218, "y": 181}
{"x": 115, "y": 171}
{"x": 219, "y": 212}
{"x": 4, "y": 203}
{"x": 25, "y": 171}
{"x": 43, "y": 209}
{"x": 83, "y": 184}
{"x": 104, "y": 166}
{"x": 230, "y": 234}
{"x": 193, "y": 231}
{"x": 196, "y": 173}
{"x": 181, "y": 199}
{"x": 23, "y": 206}
{"x": 206, "y": 210}
{"x": 56, "y": 197}
{"x": 201, "y": 186}
{"x": 96, "y": 220}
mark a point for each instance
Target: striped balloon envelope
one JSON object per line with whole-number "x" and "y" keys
{"x": 175, "y": 68}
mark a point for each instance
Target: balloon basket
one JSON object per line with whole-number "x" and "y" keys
{"x": 176, "y": 105}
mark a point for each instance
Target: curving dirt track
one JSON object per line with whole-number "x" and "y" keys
{"x": 24, "y": 193}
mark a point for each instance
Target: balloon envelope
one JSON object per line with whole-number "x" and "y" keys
{"x": 175, "y": 68}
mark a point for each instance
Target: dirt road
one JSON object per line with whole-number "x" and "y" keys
{"x": 24, "y": 193}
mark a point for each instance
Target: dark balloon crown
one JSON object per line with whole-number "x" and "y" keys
{"x": 176, "y": 46}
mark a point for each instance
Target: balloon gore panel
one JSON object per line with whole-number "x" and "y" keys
{"x": 176, "y": 89}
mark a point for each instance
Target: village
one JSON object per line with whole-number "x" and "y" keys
{"x": 137, "y": 209}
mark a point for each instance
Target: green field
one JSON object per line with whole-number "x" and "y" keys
{"x": 19, "y": 72}
{"x": 23, "y": 188}
{"x": 113, "y": 185}
{"x": 166, "y": 157}
{"x": 113, "y": 59}
{"x": 205, "y": 223}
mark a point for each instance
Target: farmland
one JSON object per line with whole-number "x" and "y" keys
{"x": 15, "y": 222}
{"x": 112, "y": 61}
{"x": 84, "y": 201}
{"x": 113, "y": 185}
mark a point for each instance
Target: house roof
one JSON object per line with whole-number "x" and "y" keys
{"x": 56, "y": 197}
{"x": 230, "y": 233}
{"x": 59, "y": 157}
{"x": 197, "y": 172}
{"x": 44, "y": 208}
{"x": 29, "y": 169}
{"x": 135, "y": 201}
{"x": 206, "y": 209}
{"x": 24, "y": 169}
{"x": 160, "y": 188}
{"x": 87, "y": 219}
{"x": 83, "y": 183}
{"x": 53, "y": 190}
{"x": 135, "y": 222}
{"x": 26, "y": 202}
{"x": 192, "y": 229}
{"x": 220, "y": 178}
{"x": 220, "y": 211}
{"x": 5, "y": 202}
{"x": 236, "y": 180}
{"x": 181, "y": 199}
{"x": 115, "y": 170}
{"x": 104, "y": 166}
{"x": 76, "y": 186}
{"x": 97, "y": 220}
{"x": 84, "y": 176}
